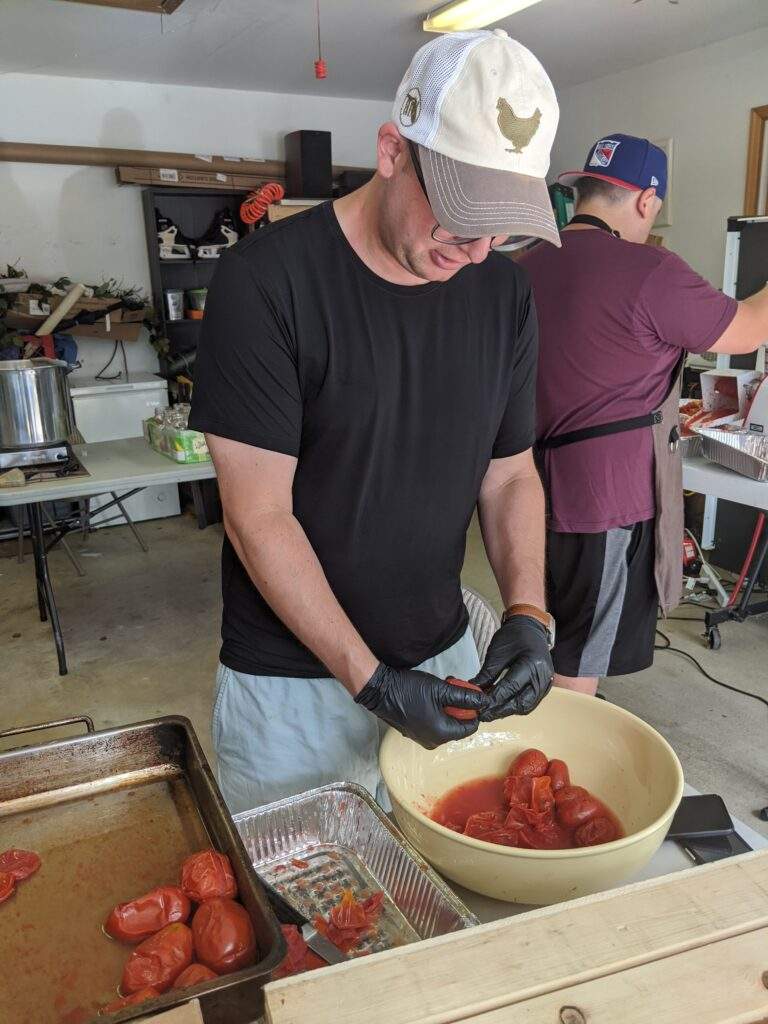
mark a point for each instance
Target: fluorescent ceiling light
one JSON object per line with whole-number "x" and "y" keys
{"x": 464, "y": 14}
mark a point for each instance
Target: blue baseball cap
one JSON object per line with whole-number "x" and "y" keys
{"x": 626, "y": 161}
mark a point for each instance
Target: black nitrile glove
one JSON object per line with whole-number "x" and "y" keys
{"x": 520, "y": 650}
{"x": 413, "y": 702}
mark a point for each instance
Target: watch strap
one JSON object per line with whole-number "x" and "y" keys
{"x": 531, "y": 610}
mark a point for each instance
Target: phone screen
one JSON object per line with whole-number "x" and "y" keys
{"x": 700, "y": 817}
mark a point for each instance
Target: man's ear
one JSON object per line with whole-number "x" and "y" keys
{"x": 390, "y": 146}
{"x": 646, "y": 206}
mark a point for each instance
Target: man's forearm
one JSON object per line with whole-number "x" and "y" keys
{"x": 512, "y": 523}
{"x": 284, "y": 567}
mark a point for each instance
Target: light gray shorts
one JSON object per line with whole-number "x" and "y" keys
{"x": 275, "y": 736}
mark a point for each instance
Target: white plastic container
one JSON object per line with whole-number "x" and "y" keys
{"x": 109, "y": 410}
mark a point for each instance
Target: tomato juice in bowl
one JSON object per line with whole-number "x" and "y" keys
{"x": 619, "y": 758}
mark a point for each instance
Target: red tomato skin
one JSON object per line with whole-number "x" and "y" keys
{"x": 542, "y": 797}
{"x": 137, "y": 919}
{"x": 595, "y": 832}
{"x": 463, "y": 714}
{"x": 195, "y": 974}
{"x": 7, "y": 886}
{"x": 19, "y": 863}
{"x": 223, "y": 935}
{"x": 207, "y": 874}
{"x": 557, "y": 770}
{"x": 138, "y": 997}
{"x": 159, "y": 960}
{"x": 530, "y": 763}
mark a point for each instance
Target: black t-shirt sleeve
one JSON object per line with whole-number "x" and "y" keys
{"x": 246, "y": 377}
{"x": 517, "y": 430}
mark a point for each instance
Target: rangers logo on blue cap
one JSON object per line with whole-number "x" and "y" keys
{"x": 603, "y": 152}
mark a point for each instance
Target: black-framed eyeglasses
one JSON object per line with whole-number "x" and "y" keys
{"x": 439, "y": 233}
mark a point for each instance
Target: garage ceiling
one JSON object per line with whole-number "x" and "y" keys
{"x": 270, "y": 44}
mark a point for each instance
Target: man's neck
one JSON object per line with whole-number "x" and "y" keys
{"x": 358, "y": 215}
{"x": 593, "y": 210}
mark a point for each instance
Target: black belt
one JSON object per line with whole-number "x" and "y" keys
{"x": 650, "y": 419}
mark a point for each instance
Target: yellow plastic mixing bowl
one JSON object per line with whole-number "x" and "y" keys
{"x": 615, "y": 755}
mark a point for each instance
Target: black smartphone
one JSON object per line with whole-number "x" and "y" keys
{"x": 704, "y": 851}
{"x": 700, "y": 817}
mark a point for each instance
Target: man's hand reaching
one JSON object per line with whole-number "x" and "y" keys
{"x": 519, "y": 654}
{"x": 414, "y": 703}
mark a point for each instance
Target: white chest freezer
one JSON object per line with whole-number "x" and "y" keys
{"x": 108, "y": 410}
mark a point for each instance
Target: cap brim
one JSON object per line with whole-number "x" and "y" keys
{"x": 571, "y": 177}
{"x": 476, "y": 202}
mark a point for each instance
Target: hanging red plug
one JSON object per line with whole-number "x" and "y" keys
{"x": 321, "y": 69}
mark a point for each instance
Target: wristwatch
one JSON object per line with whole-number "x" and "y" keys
{"x": 533, "y": 613}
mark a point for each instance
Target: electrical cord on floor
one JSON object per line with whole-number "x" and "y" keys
{"x": 667, "y": 646}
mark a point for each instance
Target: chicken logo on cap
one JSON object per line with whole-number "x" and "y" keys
{"x": 519, "y": 130}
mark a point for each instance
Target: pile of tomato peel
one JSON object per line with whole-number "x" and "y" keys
{"x": 350, "y": 920}
{"x": 347, "y": 923}
{"x": 534, "y": 807}
{"x": 15, "y": 866}
{"x": 171, "y": 953}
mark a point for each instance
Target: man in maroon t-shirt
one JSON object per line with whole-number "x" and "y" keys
{"x": 614, "y": 318}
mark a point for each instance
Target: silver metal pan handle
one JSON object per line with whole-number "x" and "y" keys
{"x": 21, "y": 729}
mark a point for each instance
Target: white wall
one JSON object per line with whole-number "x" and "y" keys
{"x": 78, "y": 221}
{"x": 702, "y": 100}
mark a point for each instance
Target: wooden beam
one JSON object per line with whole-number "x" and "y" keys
{"x": 149, "y": 6}
{"x": 755, "y": 148}
{"x": 469, "y": 973}
{"x": 99, "y": 156}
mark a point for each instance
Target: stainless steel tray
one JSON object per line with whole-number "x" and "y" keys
{"x": 313, "y": 846}
{"x": 112, "y": 814}
{"x": 743, "y": 452}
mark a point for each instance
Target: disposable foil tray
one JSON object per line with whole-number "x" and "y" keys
{"x": 742, "y": 451}
{"x": 313, "y": 846}
{"x": 691, "y": 447}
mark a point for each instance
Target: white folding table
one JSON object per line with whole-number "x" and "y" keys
{"x": 718, "y": 482}
{"x": 127, "y": 465}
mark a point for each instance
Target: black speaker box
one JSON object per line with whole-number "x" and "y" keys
{"x": 308, "y": 165}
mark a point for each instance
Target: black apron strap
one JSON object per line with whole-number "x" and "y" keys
{"x": 600, "y": 430}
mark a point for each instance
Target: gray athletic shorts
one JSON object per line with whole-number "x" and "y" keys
{"x": 276, "y": 736}
{"x": 602, "y": 594}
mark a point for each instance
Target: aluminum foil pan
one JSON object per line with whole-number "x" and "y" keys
{"x": 691, "y": 447}
{"x": 742, "y": 451}
{"x": 312, "y": 846}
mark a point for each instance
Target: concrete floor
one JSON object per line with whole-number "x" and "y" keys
{"x": 142, "y": 636}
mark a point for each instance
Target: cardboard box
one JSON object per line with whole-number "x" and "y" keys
{"x": 118, "y": 331}
{"x": 721, "y": 389}
{"x": 185, "y": 446}
{"x": 42, "y": 306}
{"x": 279, "y": 211}
{"x": 32, "y": 305}
{"x": 174, "y": 178}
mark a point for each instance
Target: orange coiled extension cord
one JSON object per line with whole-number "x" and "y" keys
{"x": 254, "y": 206}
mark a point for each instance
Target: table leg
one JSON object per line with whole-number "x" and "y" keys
{"x": 130, "y": 522}
{"x": 45, "y": 597}
{"x": 38, "y": 572}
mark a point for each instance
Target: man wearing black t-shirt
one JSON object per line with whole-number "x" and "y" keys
{"x": 366, "y": 378}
